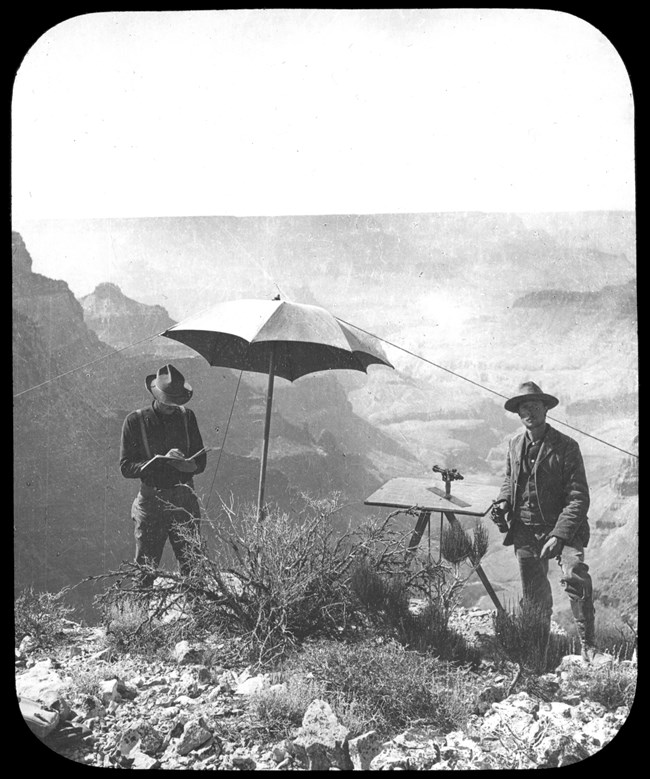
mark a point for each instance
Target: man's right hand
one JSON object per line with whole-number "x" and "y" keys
{"x": 498, "y": 515}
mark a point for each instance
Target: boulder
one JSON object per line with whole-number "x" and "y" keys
{"x": 40, "y": 681}
{"x": 228, "y": 681}
{"x": 126, "y": 691}
{"x": 390, "y": 759}
{"x": 188, "y": 654}
{"x": 243, "y": 762}
{"x": 141, "y": 761}
{"x": 28, "y": 644}
{"x": 517, "y": 713}
{"x": 257, "y": 684}
{"x": 568, "y": 665}
{"x": 39, "y": 720}
{"x": 363, "y": 749}
{"x": 252, "y": 685}
{"x": 195, "y": 735}
{"x": 279, "y": 752}
{"x": 142, "y": 734}
{"x": 586, "y": 711}
{"x": 557, "y": 750}
{"x": 322, "y": 741}
{"x": 599, "y": 731}
{"x": 493, "y": 693}
{"x": 109, "y": 691}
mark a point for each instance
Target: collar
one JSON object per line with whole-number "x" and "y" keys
{"x": 162, "y": 417}
{"x": 529, "y": 440}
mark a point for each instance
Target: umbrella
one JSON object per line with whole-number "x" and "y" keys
{"x": 278, "y": 338}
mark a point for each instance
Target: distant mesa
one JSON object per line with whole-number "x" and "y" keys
{"x": 121, "y": 321}
{"x": 621, "y": 297}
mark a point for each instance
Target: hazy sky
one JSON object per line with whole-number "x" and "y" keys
{"x": 299, "y": 111}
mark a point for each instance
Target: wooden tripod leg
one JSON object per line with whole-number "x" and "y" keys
{"x": 420, "y": 527}
{"x": 481, "y": 573}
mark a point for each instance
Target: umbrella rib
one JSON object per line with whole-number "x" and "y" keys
{"x": 286, "y": 353}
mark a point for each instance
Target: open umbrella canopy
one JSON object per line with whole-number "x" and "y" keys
{"x": 277, "y": 338}
{"x": 306, "y": 339}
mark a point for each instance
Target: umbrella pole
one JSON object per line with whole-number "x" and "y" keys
{"x": 267, "y": 428}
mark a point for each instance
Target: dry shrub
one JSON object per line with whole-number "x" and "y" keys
{"x": 41, "y": 615}
{"x": 613, "y": 684}
{"x": 383, "y": 686}
{"x": 522, "y": 633}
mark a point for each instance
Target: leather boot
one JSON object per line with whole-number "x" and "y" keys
{"x": 584, "y": 618}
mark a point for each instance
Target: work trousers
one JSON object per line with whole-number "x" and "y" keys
{"x": 161, "y": 514}
{"x": 575, "y": 579}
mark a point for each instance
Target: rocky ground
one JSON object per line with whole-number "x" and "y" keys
{"x": 192, "y": 712}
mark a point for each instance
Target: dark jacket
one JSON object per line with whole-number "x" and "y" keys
{"x": 561, "y": 485}
{"x": 163, "y": 433}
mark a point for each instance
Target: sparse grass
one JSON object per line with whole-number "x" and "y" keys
{"x": 385, "y": 687}
{"x": 40, "y": 615}
{"x": 616, "y": 635}
{"x": 274, "y": 713}
{"x": 88, "y": 681}
{"x": 429, "y": 631}
{"x": 523, "y": 634}
{"x": 130, "y": 627}
{"x": 613, "y": 685}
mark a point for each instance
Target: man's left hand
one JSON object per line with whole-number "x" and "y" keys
{"x": 552, "y": 548}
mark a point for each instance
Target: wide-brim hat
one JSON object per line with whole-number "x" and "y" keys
{"x": 528, "y": 390}
{"x": 169, "y": 386}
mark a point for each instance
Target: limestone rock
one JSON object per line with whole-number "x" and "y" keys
{"x": 141, "y": 761}
{"x": 143, "y": 734}
{"x": 39, "y": 720}
{"x": 244, "y": 762}
{"x": 599, "y": 731}
{"x": 390, "y": 760}
{"x": 40, "y": 680}
{"x": 322, "y": 741}
{"x": 28, "y": 644}
{"x": 279, "y": 752}
{"x": 493, "y": 693}
{"x": 195, "y": 734}
{"x": 92, "y": 707}
{"x": 253, "y": 685}
{"x": 559, "y": 749}
{"x": 188, "y": 654}
{"x": 363, "y": 749}
{"x": 109, "y": 691}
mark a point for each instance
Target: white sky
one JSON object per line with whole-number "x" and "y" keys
{"x": 303, "y": 111}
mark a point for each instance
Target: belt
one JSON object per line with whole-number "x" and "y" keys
{"x": 148, "y": 491}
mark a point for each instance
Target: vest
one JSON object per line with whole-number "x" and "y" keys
{"x": 526, "y": 503}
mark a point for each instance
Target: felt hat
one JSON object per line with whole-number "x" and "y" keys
{"x": 169, "y": 386}
{"x": 528, "y": 390}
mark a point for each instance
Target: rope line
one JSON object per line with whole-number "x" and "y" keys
{"x": 85, "y": 365}
{"x": 223, "y": 443}
{"x": 372, "y": 335}
{"x": 482, "y": 386}
{"x": 424, "y": 359}
{"x": 104, "y": 357}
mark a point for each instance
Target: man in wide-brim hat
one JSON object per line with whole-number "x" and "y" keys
{"x": 156, "y": 444}
{"x": 542, "y": 508}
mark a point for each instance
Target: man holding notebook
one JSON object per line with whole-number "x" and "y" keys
{"x": 162, "y": 446}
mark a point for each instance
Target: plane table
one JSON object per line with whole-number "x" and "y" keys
{"x": 474, "y": 499}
